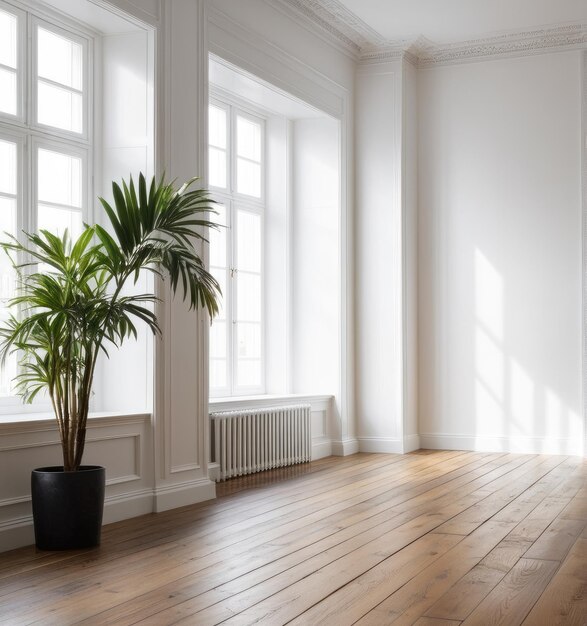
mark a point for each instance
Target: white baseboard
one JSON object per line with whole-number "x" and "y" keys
{"x": 214, "y": 471}
{"x": 411, "y": 443}
{"x": 125, "y": 505}
{"x": 182, "y": 494}
{"x": 321, "y": 449}
{"x": 16, "y": 533}
{"x": 523, "y": 445}
{"x": 345, "y": 447}
{"x": 390, "y": 445}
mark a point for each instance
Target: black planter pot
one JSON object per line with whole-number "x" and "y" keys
{"x": 68, "y": 507}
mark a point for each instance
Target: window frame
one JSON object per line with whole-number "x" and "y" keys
{"x": 87, "y": 114}
{"x": 234, "y": 202}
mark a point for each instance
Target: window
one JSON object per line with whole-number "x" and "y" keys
{"x": 236, "y": 252}
{"x": 44, "y": 135}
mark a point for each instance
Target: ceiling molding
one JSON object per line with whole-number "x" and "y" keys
{"x": 516, "y": 44}
{"x": 366, "y": 44}
{"x": 343, "y": 24}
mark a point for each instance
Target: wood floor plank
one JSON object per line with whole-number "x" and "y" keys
{"x": 556, "y": 540}
{"x": 372, "y": 598}
{"x": 564, "y": 602}
{"x": 432, "y": 621}
{"x": 399, "y": 567}
{"x": 416, "y": 597}
{"x": 463, "y": 597}
{"x": 511, "y": 600}
{"x": 431, "y": 538}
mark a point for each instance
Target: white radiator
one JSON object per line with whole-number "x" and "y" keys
{"x": 250, "y": 441}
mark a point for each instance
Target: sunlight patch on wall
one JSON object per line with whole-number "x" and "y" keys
{"x": 488, "y": 296}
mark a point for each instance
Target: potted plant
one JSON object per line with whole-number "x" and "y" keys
{"x": 71, "y": 307}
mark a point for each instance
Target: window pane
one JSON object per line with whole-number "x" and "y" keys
{"x": 8, "y": 91}
{"x": 7, "y": 225}
{"x": 220, "y": 276}
{"x": 7, "y": 167}
{"x": 249, "y": 373}
{"x": 218, "y": 340}
{"x": 8, "y": 39}
{"x": 217, "y": 167}
{"x": 248, "y": 139}
{"x": 217, "y": 239}
{"x": 218, "y": 373}
{"x": 248, "y": 178}
{"x": 7, "y": 273}
{"x": 249, "y": 297}
{"x": 56, "y": 220}
{"x": 249, "y": 340}
{"x": 59, "y": 107}
{"x": 249, "y": 241}
{"x": 7, "y": 374}
{"x": 59, "y": 59}
{"x": 7, "y": 286}
{"x": 217, "y": 127}
{"x": 59, "y": 178}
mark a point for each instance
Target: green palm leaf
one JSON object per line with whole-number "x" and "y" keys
{"x": 75, "y": 307}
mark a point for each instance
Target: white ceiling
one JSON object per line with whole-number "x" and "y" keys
{"x": 451, "y": 21}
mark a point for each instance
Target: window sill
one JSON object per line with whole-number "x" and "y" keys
{"x": 47, "y": 418}
{"x": 258, "y": 402}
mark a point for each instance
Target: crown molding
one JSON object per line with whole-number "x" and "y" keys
{"x": 336, "y": 19}
{"x": 367, "y": 45}
{"x": 568, "y": 37}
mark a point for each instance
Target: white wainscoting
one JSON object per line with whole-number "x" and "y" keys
{"x": 121, "y": 443}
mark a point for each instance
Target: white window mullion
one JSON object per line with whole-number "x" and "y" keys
{"x": 220, "y": 263}
{"x": 233, "y": 298}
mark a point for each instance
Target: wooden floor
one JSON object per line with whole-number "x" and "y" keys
{"x": 429, "y": 538}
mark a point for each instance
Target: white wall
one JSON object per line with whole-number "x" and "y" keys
{"x": 411, "y": 439}
{"x": 500, "y": 254}
{"x": 126, "y": 148}
{"x": 276, "y": 247}
{"x": 315, "y": 312}
{"x": 379, "y": 373}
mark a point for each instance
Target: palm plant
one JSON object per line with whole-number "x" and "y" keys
{"x": 76, "y": 307}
